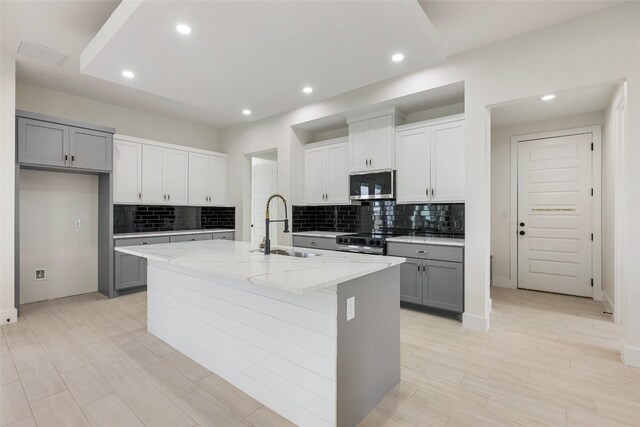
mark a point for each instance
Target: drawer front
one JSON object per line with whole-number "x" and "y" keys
{"x": 189, "y": 237}
{"x": 436, "y": 252}
{"x": 224, "y": 236}
{"x": 141, "y": 241}
{"x": 315, "y": 242}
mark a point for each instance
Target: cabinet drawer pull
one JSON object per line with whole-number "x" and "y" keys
{"x": 144, "y": 243}
{"x": 314, "y": 243}
{"x": 421, "y": 252}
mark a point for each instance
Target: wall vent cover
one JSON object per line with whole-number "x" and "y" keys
{"x": 42, "y": 53}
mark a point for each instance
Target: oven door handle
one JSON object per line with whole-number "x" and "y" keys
{"x": 358, "y": 250}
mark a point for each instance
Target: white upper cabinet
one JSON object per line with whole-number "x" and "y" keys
{"x": 371, "y": 141}
{"x": 326, "y": 172}
{"x": 207, "y": 180}
{"x": 127, "y": 171}
{"x": 430, "y": 161}
{"x": 155, "y": 173}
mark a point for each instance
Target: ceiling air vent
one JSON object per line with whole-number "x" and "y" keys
{"x": 41, "y": 52}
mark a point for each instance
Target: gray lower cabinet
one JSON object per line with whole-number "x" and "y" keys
{"x": 227, "y": 235}
{"x": 190, "y": 237}
{"x": 325, "y": 243}
{"x": 433, "y": 276}
{"x": 51, "y": 144}
{"x": 130, "y": 271}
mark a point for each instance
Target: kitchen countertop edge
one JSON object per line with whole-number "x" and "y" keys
{"x": 171, "y": 233}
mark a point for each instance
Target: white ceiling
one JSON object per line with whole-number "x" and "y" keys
{"x": 566, "y": 103}
{"x": 259, "y": 54}
{"x": 256, "y": 76}
{"x": 465, "y": 25}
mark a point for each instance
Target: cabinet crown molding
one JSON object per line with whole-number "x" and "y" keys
{"x": 431, "y": 122}
{"x": 121, "y": 137}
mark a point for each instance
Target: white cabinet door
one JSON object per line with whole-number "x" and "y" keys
{"x": 447, "y": 150}
{"x": 359, "y": 142}
{"x": 176, "y": 177}
{"x": 153, "y": 174}
{"x": 217, "y": 181}
{"x": 413, "y": 150}
{"x": 381, "y": 142}
{"x": 198, "y": 179}
{"x": 127, "y": 172}
{"x": 314, "y": 171}
{"x": 336, "y": 174}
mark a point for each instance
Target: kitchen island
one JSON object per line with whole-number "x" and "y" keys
{"x": 314, "y": 338}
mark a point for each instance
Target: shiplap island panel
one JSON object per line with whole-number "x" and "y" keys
{"x": 277, "y": 326}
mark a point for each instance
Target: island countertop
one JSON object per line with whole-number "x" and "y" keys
{"x": 234, "y": 260}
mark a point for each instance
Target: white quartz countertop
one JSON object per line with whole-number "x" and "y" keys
{"x": 233, "y": 259}
{"x": 445, "y": 241}
{"x": 325, "y": 234}
{"x": 170, "y": 233}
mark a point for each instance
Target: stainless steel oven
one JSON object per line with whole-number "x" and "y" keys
{"x": 372, "y": 185}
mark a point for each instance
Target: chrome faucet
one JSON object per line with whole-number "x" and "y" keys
{"x": 267, "y": 239}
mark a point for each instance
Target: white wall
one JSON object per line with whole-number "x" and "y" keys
{"x": 126, "y": 121}
{"x": 8, "y": 312}
{"x": 50, "y": 202}
{"x": 590, "y": 50}
{"x": 611, "y": 206}
{"x": 501, "y": 185}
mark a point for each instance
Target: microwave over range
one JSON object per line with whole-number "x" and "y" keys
{"x": 372, "y": 185}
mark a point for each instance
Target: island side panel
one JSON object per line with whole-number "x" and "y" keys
{"x": 368, "y": 344}
{"x": 278, "y": 347}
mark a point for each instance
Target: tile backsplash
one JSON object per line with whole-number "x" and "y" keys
{"x": 381, "y": 215}
{"x": 147, "y": 218}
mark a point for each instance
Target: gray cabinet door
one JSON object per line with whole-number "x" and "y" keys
{"x": 42, "y": 143}
{"x": 90, "y": 149}
{"x": 443, "y": 285}
{"x": 411, "y": 281}
{"x": 130, "y": 271}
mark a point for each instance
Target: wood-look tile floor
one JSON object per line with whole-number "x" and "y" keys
{"x": 548, "y": 360}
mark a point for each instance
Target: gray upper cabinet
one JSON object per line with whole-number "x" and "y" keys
{"x": 42, "y": 143}
{"x": 46, "y": 143}
{"x": 90, "y": 149}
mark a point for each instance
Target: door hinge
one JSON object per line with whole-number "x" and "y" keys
{"x": 592, "y": 146}
{"x": 591, "y": 192}
{"x": 592, "y": 237}
{"x": 592, "y": 282}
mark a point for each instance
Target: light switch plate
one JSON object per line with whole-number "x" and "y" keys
{"x": 77, "y": 223}
{"x": 351, "y": 308}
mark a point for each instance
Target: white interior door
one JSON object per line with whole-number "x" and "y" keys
{"x": 153, "y": 174}
{"x": 176, "y": 182}
{"x": 264, "y": 183}
{"x": 414, "y": 165}
{"x": 554, "y": 215}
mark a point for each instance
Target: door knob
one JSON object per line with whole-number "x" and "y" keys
{"x": 522, "y": 224}
{"x": 522, "y": 233}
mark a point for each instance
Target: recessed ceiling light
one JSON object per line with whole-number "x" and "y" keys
{"x": 128, "y": 74}
{"x": 246, "y": 112}
{"x": 183, "y": 29}
{"x": 307, "y": 89}
{"x": 548, "y": 97}
{"x": 397, "y": 57}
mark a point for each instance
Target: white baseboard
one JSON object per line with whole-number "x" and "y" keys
{"x": 8, "y": 316}
{"x": 503, "y": 282}
{"x": 608, "y": 304}
{"x": 478, "y": 323}
{"x": 631, "y": 356}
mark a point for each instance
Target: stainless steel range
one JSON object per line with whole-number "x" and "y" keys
{"x": 365, "y": 243}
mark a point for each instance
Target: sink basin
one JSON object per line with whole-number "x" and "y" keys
{"x": 288, "y": 252}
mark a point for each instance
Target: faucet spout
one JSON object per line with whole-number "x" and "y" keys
{"x": 268, "y": 220}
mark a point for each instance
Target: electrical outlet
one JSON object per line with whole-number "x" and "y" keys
{"x": 351, "y": 308}
{"x": 39, "y": 274}
{"x": 77, "y": 223}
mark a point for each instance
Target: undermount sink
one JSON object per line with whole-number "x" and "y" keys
{"x": 288, "y": 252}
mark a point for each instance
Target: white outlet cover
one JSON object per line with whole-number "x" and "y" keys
{"x": 77, "y": 223}
{"x": 39, "y": 274}
{"x": 351, "y": 308}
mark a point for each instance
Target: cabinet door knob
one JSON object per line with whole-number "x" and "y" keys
{"x": 168, "y": 196}
{"x": 139, "y": 196}
{"x": 433, "y": 191}
{"x": 522, "y": 233}
{"x": 66, "y": 158}
{"x": 73, "y": 158}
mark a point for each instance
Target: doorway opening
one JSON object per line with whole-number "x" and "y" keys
{"x": 264, "y": 182}
{"x": 555, "y": 192}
